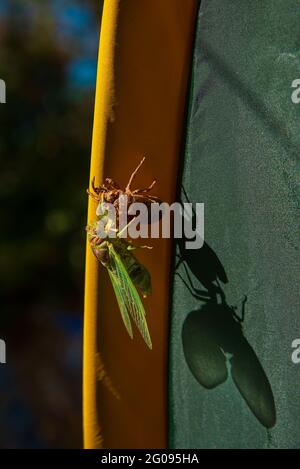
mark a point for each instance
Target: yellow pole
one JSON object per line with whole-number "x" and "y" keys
{"x": 102, "y": 115}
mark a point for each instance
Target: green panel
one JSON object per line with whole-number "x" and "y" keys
{"x": 241, "y": 160}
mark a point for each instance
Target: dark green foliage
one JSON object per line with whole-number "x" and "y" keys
{"x": 45, "y": 144}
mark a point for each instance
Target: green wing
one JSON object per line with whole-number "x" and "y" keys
{"x": 122, "y": 304}
{"x": 127, "y": 296}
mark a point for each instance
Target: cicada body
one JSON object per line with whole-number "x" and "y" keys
{"x": 126, "y": 274}
{"x": 137, "y": 271}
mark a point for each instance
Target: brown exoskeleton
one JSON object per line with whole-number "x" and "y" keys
{"x": 110, "y": 192}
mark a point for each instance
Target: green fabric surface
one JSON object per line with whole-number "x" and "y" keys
{"x": 233, "y": 384}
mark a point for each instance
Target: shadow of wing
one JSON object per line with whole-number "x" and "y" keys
{"x": 253, "y": 384}
{"x": 202, "y": 351}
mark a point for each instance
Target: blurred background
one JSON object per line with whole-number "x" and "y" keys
{"x": 48, "y": 57}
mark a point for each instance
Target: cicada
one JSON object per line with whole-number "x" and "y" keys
{"x": 126, "y": 274}
{"x": 110, "y": 192}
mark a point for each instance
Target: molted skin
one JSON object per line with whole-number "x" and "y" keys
{"x": 110, "y": 192}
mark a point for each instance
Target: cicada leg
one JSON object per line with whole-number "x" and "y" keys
{"x": 144, "y": 191}
{"x": 131, "y": 247}
{"x": 93, "y": 196}
{"x": 145, "y": 197}
{"x": 97, "y": 193}
{"x": 124, "y": 229}
{"x": 128, "y": 187}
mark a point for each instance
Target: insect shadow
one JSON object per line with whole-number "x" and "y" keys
{"x": 213, "y": 341}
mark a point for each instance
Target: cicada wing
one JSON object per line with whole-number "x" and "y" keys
{"x": 121, "y": 303}
{"x": 127, "y": 294}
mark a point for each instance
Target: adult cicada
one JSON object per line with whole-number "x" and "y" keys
{"x": 126, "y": 275}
